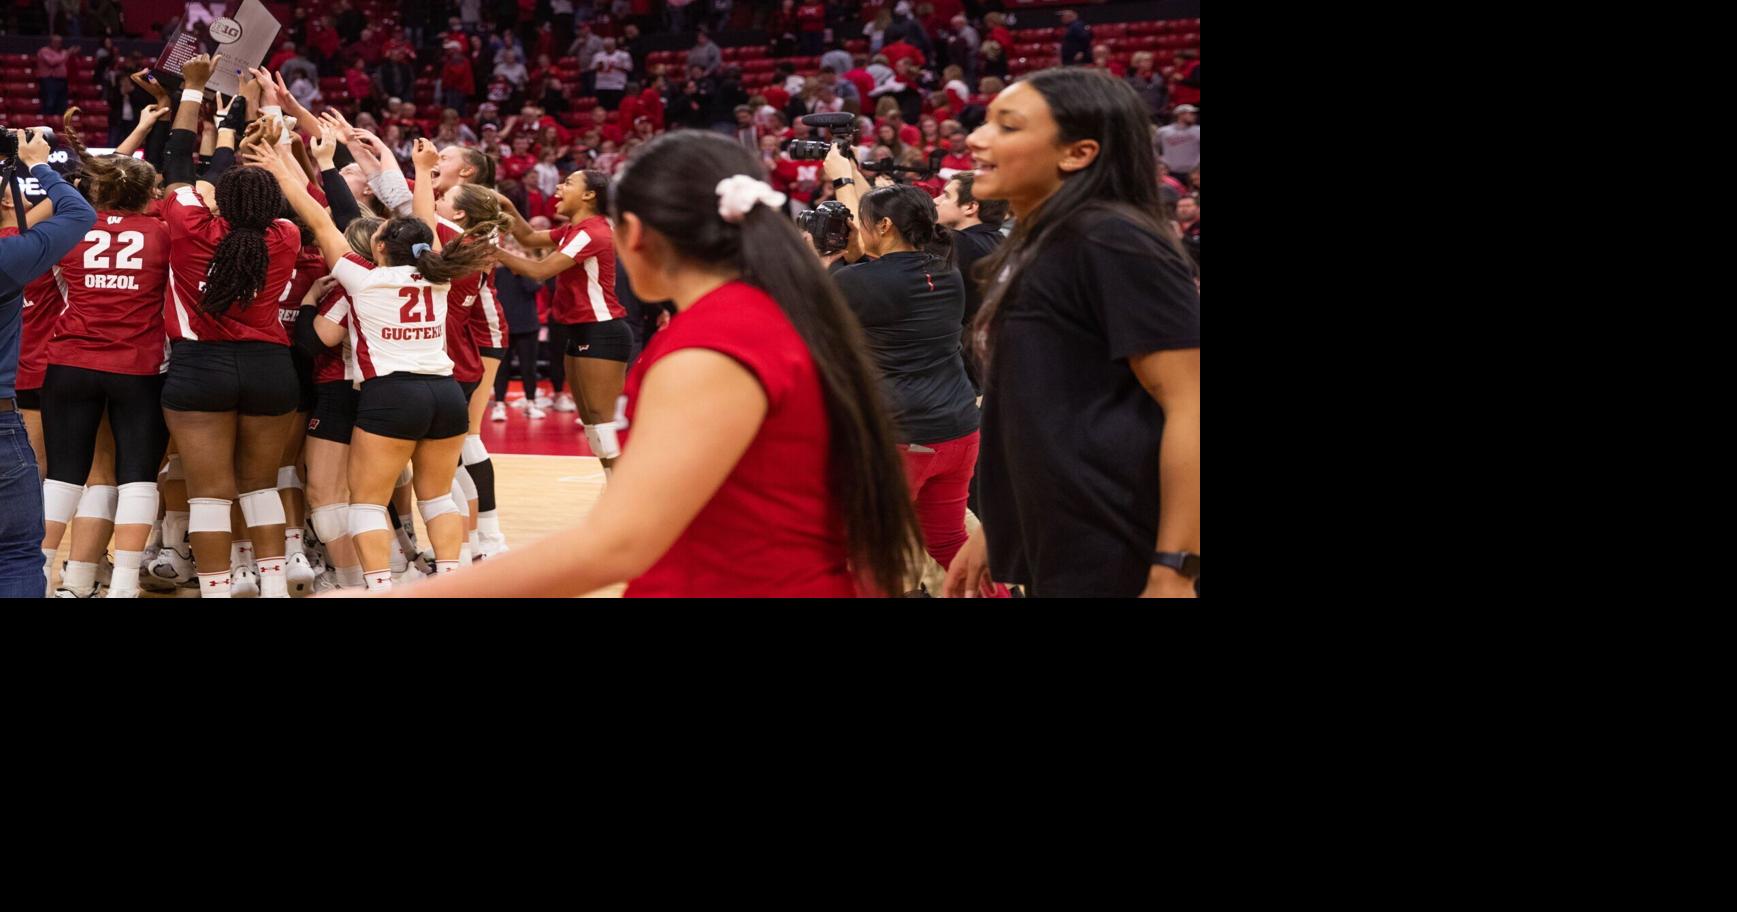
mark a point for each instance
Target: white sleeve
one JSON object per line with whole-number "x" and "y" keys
{"x": 576, "y": 244}
{"x": 351, "y": 275}
{"x": 393, "y": 190}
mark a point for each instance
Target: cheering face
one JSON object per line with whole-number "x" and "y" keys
{"x": 1018, "y": 150}
{"x": 446, "y": 170}
{"x": 570, "y": 195}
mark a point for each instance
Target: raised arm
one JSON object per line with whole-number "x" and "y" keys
{"x": 178, "y": 164}
{"x": 147, "y": 119}
{"x": 424, "y": 156}
{"x": 262, "y": 152}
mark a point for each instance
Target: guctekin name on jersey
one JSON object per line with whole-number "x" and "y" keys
{"x": 406, "y": 333}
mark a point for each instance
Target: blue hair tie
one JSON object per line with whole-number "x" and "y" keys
{"x": 417, "y": 250}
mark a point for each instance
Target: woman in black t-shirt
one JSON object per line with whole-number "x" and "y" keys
{"x": 910, "y": 299}
{"x": 1090, "y": 334}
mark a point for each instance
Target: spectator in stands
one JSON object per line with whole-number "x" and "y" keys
{"x": 368, "y": 47}
{"x": 991, "y": 60}
{"x": 721, "y": 12}
{"x": 323, "y": 45}
{"x": 876, "y": 30}
{"x": 349, "y": 21}
{"x": 612, "y": 67}
{"x": 1101, "y": 60}
{"x": 677, "y": 11}
{"x": 1179, "y": 143}
{"x": 456, "y": 34}
{"x": 1194, "y": 181}
{"x": 1076, "y": 44}
{"x": 508, "y": 67}
{"x": 106, "y": 16}
{"x": 747, "y": 135}
{"x": 521, "y": 161}
{"x": 305, "y": 91}
{"x": 291, "y": 63}
{"x": 687, "y": 105}
{"x": 837, "y": 58}
{"x": 450, "y": 118}
{"x": 396, "y": 77}
{"x": 457, "y": 83}
{"x": 51, "y": 72}
{"x": 1171, "y": 188}
{"x": 633, "y": 45}
{"x": 902, "y": 50}
{"x": 586, "y": 46}
{"x": 1185, "y": 89}
{"x": 705, "y": 54}
{"x": 961, "y": 45}
{"x": 1149, "y": 84}
{"x": 490, "y": 141}
{"x": 861, "y": 78}
{"x": 810, "y": 28}
{"x": 996, "y": 24}
{"x": 726, "y": 96}
{"x": 1188, "y": 215}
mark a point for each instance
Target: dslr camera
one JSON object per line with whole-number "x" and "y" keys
{"x": 829, "y": 225}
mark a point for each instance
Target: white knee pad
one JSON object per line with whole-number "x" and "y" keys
{"x": 262, "y": 508}
{"x": 404, "y": 476}
{"x": 603, "y": 441}
{"x": 98, "y": 502}
{"x": 474, "y": 451}
{"x": 288, "y": 477}
{"x": 207, "y": 514}
{"x": 331, "y": 522}
{"x": 60, "y": 500}
{"x": 440, "y": 506}
{"x": 137, "y": 505}
{"x": 462, "y": 479}
{"x": 173, "y": 471}
{"x": 365, "y": 518}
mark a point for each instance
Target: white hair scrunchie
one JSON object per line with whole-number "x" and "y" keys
{"x": 738, "y": 194}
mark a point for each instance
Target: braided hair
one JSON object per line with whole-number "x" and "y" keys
{"x": 249, "y": 199}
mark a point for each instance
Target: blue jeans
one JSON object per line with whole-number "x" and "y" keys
{"x": 21, "y": 564}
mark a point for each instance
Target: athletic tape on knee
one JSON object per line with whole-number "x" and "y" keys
{"x": 174, "y": 472}
{"x": 404, "y": 477}
{"x": 440, "y": 506}
{"x": 98, "y": 502}
{"x": 207, "y": 514}
{"x": 331, "y": 522}
{"x": 365, "y": 518}
{"x": 474, "y": 451}
{"x": 465, "y": 483}
{"x": 288, "y": 477}
{"x": 604, "y": 444}
{"x": 60, "y": 500}
{"x": 262, "y": 508}
{"x": 137, "y": 504}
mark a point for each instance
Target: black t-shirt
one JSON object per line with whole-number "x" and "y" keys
{"x": 1068, "y": 470}
{"x": 910, "y": 305}
{"x": 970, "y": 246}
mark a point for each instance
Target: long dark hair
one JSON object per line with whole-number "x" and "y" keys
{"x": 249, "y": 200}
{"x": 1086, "y": 104}
{"x": 913, "y": 216}
{"x": 455, "y": 261}
{"x": 670, "y": 185}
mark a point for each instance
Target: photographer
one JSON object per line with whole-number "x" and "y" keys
{"x": 24, "y": 257}
{"x": 911, "y": 301}
{"x": 976, "y": 226}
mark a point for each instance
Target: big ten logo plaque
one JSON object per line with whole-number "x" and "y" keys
{"x": 225, "y": 31}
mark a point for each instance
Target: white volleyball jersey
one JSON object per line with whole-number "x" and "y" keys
{"x": 397, "y": 319}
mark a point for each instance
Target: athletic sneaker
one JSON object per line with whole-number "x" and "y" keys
{"x": 173, "y": 568}
{"x": 536, "y": 414}
{"x": 243, "y": 582}
{"x": 326, "y": 582}
{"x": 564, "y": 403}
{"x": 500, "y": 412}
{"x": 543, "y": 401}
{"x": 425, "y": 563}
{"x": 299, "y": 575}
{"x": 492, "y": 546}
{"x": 93, "y": 592}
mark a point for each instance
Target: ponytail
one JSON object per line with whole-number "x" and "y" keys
{"x": 913, "y": 215}
{"x": 410, "y": 242}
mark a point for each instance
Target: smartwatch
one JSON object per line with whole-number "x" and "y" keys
{"x": 838, "y": 182}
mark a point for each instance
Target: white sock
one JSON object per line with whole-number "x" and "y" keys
{"x": 464, "y": 554}
{"x": 400, "y": 557}
{"x": 47, "y": 558}
{"x": 406, "y": 532}
{"x": 78, "y": 576}
{"x": 240, "y": 553}
{"x": 488, "y": 525}
{"x": 272, "y": 583}
{"x": 441, "y": 566}
{"x": 175, "y": 532}
{"x": 350, "y": 577}
{"x": 126, "y": 572}
{"x": 214, "y": 585}
{"x": 378, "y": 580}
{"x": 475, "y": 538}
{"x": 292, "y": 541}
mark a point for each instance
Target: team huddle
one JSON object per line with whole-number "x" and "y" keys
{"x": 248, "y": 371}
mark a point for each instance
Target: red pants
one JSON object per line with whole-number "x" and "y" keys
{"x": 940, "y": 478}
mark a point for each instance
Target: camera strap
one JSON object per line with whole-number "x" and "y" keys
{"x": 10, "y": 173}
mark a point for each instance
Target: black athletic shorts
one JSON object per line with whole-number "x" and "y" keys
{"x": 304, "y": 381}
{"x": 75, "y": 400}
{"x": 413, "y": 407}
{"x": 30, "y": 399}
{"x": 610, "y": 340}
{"x": 468, "y": 388}
{"x": 252, "y": 378}
{"x": 499, "y": 354}
{"x": 334, "y": 413}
